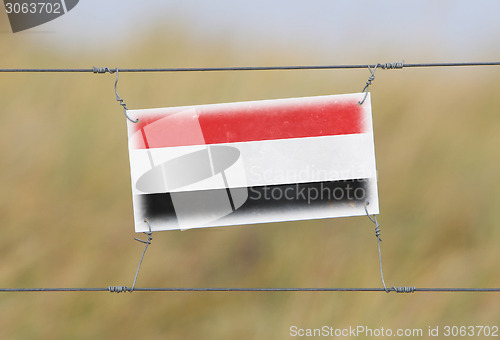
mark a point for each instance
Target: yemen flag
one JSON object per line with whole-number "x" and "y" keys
{"x": 252, "y": 162}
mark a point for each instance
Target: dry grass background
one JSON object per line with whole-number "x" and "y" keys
{"x": 66, "y": 214}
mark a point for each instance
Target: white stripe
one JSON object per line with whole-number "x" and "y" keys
{"x": 274, "y": 162}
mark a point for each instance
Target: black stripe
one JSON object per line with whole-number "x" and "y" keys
{"x": 269, "y": 199}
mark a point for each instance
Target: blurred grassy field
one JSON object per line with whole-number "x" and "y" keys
{"x": 66, "y": 211}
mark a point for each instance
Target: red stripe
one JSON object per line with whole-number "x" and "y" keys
{"x": 252, "y": 121}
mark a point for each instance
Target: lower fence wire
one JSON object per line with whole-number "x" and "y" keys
{"x": 116, "y": 289}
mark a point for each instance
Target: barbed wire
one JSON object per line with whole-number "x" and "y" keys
{"x": 398, "y": 65}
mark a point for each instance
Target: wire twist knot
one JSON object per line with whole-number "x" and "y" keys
{"x": 103, "y": 70}
{"x": 370, "y": 79}
{"x": 118, "y": 289}
{"x": 150, "y": 238}
{"x": 402, "y": 289}
{"x": 392, "y": 66}
{"x": 374, "y": 221}
{"x": 385, "y": 66}
{"x": 368, "y": 82}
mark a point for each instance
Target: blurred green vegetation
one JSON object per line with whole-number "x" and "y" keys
{"x": 66, "y": 209}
